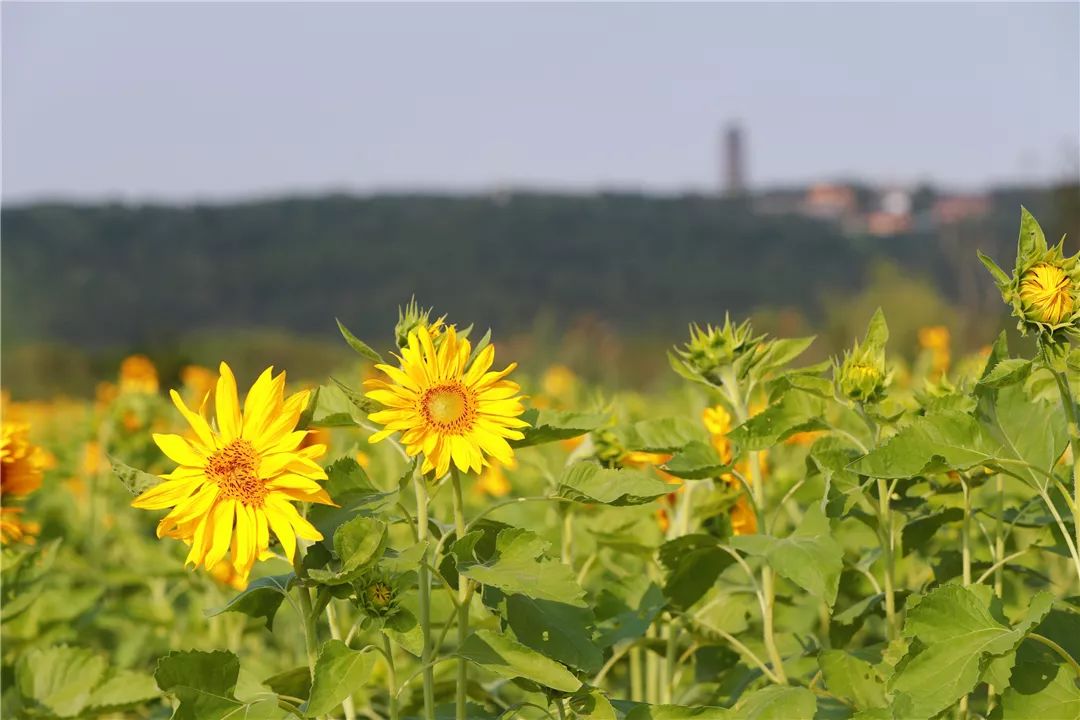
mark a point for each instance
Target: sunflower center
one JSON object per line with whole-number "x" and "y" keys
{"x": 449, "y": 408}
{"x": 379, "y": 594}
{"x": 235, "y": 469}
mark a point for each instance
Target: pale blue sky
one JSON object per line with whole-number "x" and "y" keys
{"x": 197, "y": 101}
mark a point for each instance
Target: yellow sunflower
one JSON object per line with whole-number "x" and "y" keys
{"x": 447, "y": 408}
{"x": 21, "y": 467}
{"x": 237, "y": 479}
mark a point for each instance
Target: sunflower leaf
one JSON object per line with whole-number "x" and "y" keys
{"x": 550, "y": 425}
{"x": 358, "y": 345}
{"x": 587, "y": 482}
{"x": 519, "y": 565}
{"x": 261, "y": 599}
{"x": 508, "y": 658}
{"x": 136, "y": 481}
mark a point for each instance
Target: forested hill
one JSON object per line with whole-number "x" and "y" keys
{"x": 110, "y": 274}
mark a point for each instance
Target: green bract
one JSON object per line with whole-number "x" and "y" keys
{"x": 863, "y": 376}
{"x": 1044, "y": 288}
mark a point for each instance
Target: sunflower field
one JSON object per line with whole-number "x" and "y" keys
{"x": 433, "y": 534}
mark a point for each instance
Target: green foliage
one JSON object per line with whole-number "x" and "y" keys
{"x": 339, "y": 672}
{"x": 519, "y": 565}
{"x": 64, "y": 682}
{"x": 587, "y": 482}
{"x": 550, "y": 425}
{"x": 260, "y": 599}
{"x": 508, "y": 658}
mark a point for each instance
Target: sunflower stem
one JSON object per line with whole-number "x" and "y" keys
{"x": 391, "y": 678}
{"x": 463, "y": 602}
{"x": 757, "y": 486}
{"x": 1069, "y": 404}
{"x": 311, "y": 638}
{"x": 424, "y": 598}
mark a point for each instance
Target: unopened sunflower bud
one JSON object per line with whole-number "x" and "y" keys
{"x": 712, "y": 351}
{"x": 1045, "y": 285}
{"x": 411, "y": 317}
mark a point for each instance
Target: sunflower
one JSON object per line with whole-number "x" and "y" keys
{"x": 138, "y": 375}
{"x": 21, "y": 467}
{"x": 1046, "y": 293}
{"x": 237, "y": 479}
{"x": 446, "y": 407}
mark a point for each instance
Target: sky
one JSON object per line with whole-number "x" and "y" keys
{"x": 213, "y": 102}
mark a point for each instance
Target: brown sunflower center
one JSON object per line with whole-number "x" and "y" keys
{"x": 450, "y": 407}
{"x": 235, "y": 469}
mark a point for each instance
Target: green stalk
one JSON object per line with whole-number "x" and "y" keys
{"x": 670, "y": 663}
{"x": 424, "y": 599}
{"x": 1074, "y": 441}
{"x": 567, "y": 549}
{"x": 652, "y": 670}
{"x": 635, "y": 674}
{"x": 331, "y": 619}
{"x": 391, "y": 678}
{"x": 966, "y": 530}
{"x": 311, "y": 638}
{"x": 889, "y": 555}
{"x": 463, "y": 602}
{"x": 999, "y": 538}
{"x": 738, "y": 403}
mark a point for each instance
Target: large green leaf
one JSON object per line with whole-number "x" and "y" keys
{"x": 641, "y": 711}
{"x": 332, "y": 405}
{"x": 508, "y": 658}
{"x": 776, "y": 702}
{"x": 358, "y": 544}
{"x": 852, "y": 678}
{"x": 123, "y": 690}
{"x": 519, "y": 565}
{"x": 561, "y": 632}
{"x": 809, "y": 557}
{"x": 1041, "y": 692}
{"x": 351, "y": 488}
{"x": 59, "y": 681}
{"x": 591, "y": 705}
{"x": 795, "y": 412}
{"x": 934, "y": 443}
{"x": 588, "y": 482}
{"x": 694, "y": 562}
{"x": 203, "y": 682}
{"x": 918, "y": 532}
{"x": 550, "y": 425}
{"x": 261, "y": 599}
{"x": 1032, "y": 431}
{"x": 661, "y": 434}
{"x": 339, "y": 672}
{"x": 957, "y": 636}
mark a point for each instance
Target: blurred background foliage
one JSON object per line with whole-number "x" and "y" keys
{"x": 600, "y": 282}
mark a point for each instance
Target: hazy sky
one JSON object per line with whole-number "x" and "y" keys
{"x": 198, "y": 101}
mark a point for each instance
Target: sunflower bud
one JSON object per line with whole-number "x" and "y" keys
{"x": 1044, "y": 286}
{"x": 376, "y": 595}
{"x": 411, "y": 317}
{"x": 862, "y": 375}
{"x": 713, "y": 351}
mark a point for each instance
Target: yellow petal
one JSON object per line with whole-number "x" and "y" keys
{"x": 179, "y": 450}
{"x": 227, "y": 405}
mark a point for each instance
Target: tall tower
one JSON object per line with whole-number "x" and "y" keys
{"x": 734, "y": 162}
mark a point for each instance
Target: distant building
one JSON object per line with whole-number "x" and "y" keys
{"x": 830, "y": 202}
{"x": 893, "y": 215}
{"x": 953, "y": 209}
{"x": 734, "y": 162}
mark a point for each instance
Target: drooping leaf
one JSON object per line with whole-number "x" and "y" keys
{"x": 561, "y": 632}
{"x": 795, "y": 412}
{"x": 695, "y": 461}
{"x": 339, "y": 672}
{"x": 588, "y": 482}
{"x": 809, "y": 557}
{"x": 661, "y": 435}
{"x": 508, "y": 658}
{"x": 852, "y": 678}
{"x": 358, "y": 544}
{"x": 261, "y": 599}
{"x": 136, "y": 481}
{"x": 550, "y": 425}
{"x": 294, "y": 683}
{"x": 519, "y": 565}
{"x": 694, "y": 562}
{"x": 918, "y": 532}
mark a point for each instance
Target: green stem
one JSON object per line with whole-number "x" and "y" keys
{"x": 559, "y": 709}
{"x": 999, "y": 538}
{"x": 567, "y": 548}
{"x": 311, "y": 639}
{"x": 463, "y": 602}
{"x": 889, "y": 556}
{"x": 965, "y": 540}
{"x": 424, "y": 598}
{"x": 347, "y": 704}
{"x": 670, "y": 662}
{"x": 635, "y": 674}
{"x": 391, "y": 678}
{"x": 652, "y": 670}
{"x": 757, "y": 484}
{"x": 1074, "y": 441}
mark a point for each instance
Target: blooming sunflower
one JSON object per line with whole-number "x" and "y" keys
{"x": 446, "y": 407}
{"x": 236, "y": 480}
{"x": 21, "y": 466}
